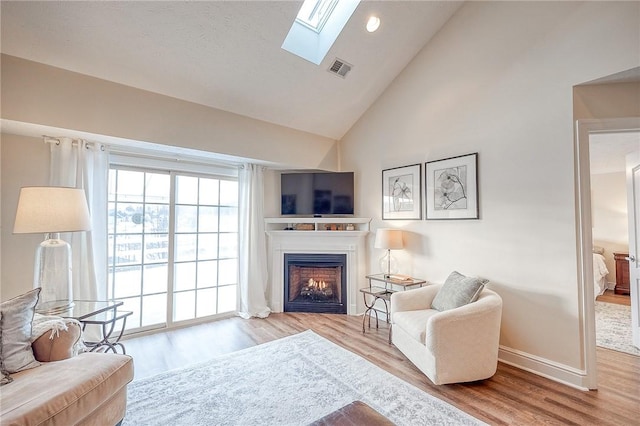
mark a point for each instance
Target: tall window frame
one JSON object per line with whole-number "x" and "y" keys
{"x": 181, "y": 249}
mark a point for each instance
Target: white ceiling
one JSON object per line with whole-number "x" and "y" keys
{"x": 226, "y": 54}
{"x": 607, "y": 151}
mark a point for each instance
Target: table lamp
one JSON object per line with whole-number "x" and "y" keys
{"x": 389, "y": 239}
{"x": 51, "y": 210}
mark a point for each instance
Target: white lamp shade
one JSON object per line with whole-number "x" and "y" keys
{"x": 50, "y": 209}
{"x": 389, "y": 239}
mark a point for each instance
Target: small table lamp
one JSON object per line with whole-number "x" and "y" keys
{"x": 389, "y": 239}
{"x": 51, "y": 210}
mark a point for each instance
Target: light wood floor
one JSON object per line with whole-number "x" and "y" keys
{"x": 610, "y": 297}
{"x": 512, "y": 396}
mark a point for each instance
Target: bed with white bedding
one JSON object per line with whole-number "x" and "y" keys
{"x": 600, "y": 272}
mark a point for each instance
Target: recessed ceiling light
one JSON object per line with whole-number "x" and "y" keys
{"x": 373, "y": 23}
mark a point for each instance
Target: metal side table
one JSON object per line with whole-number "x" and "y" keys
{"x": 383, "y": 291}
{"x": 105, "y": 314}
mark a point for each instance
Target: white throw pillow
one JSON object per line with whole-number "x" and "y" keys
{"x": 17, "y": 315}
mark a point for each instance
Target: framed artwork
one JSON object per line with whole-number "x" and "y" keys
{"x": 452, "y": 188}
{"x": 402, "y": 192}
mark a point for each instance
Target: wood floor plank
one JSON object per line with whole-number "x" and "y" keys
{"x": 610, "y": 297}
{"x": 513, "y": 396}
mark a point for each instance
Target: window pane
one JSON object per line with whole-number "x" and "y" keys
{"x": 207, "y": 246}
{"x": 110, "y": 255}
{"x": 111, "y": 217}
{"x": 184, "y": 306}
{"x": 228, "y": 272}
{"x": 113, "y": 175}
{"x": 206, "y": 302}
{"x": 186, "y": 190}
{"x": 229, "y": 219}
{"x": 154, "y": 309}
{"x": 186, "y": 218}
{"x": 156, "y": 248}
{"x": 185, "y": 247}
{"x": 157, "y": 188}
{"x": 228, "y": 193}
{"x": 132, "y": 304}
{"x": 228, "y": 245}
{"x": 209, "y": 191}
{"x": 130, "y": 186}
{"x": 207, "y": 274}
{"x": 185, "y": 276}
{"x": 155, "y": 278}
{"x": 208, "y": 219}
{"x": 127, "y": 281}
{"x": 156, "y": 218}
{"x": 130, "y": 218}
{"x": 227, "y": 299}
{"x": 128, "y": 249}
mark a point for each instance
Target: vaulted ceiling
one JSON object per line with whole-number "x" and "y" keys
{"x": 226, "y": 54}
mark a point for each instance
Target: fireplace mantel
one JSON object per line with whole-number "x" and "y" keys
{"x": 317, "y": 240}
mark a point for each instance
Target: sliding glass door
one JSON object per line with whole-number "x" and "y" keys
{"x": 173, "y": 245}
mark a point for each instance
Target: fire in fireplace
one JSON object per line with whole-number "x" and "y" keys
{"x": 315, "y": 283}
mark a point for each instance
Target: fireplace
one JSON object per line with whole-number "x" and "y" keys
{"x": 315, "y": 282}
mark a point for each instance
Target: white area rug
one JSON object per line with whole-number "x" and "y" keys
{"x": 613, "y": 327}
{"x": 290, "y": 381}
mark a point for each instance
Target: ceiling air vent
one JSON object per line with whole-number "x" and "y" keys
{"x": 340, "y": 68}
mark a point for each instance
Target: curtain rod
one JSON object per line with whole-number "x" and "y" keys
{"x": 74, "y": 142}
{"x": 149, "y": 153}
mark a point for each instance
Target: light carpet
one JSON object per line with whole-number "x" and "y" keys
{"x": 290, "y": 381}
{"x": 613, "y": 327}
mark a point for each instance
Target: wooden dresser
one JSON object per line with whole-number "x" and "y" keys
{"x": 622, "y": 273}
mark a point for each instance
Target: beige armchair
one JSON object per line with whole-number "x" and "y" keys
{"x": 456, "y": 345}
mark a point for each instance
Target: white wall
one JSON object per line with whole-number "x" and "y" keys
{"x": 44, "y": 95}
{"x": 609, "y": 217}
{"x": 25, "y": 162}
{"x": 497, "y": 80}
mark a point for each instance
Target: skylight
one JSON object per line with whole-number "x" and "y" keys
{"x": 315, "y": 13}
{"x": 317, "y": 26}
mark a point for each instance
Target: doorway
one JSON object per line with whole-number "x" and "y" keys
{"x": 610, "y": 235}
{"x": 586, "y": 128}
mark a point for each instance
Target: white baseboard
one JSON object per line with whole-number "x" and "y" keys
{"x": 543, "y": 367}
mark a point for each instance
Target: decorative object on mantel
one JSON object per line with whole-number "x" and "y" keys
{"x": 388, "y": 239}
{"x": 402, "y": 192}
{"x": 452, "y": 188}
{"x": 51, "y": 210}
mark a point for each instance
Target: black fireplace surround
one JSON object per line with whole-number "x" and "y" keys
{"x": 315, "y": 282}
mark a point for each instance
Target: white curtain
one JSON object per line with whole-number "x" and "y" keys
{"x": 253, "y": 250}
{"x": 79, "y": 164}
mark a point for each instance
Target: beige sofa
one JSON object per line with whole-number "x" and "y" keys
{"x": 455, "y": 345}
{"x": 87, "y": 389}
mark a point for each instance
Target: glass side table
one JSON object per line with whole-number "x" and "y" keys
{"x": 381, "y": 287}
{"x": 104, "y": 313}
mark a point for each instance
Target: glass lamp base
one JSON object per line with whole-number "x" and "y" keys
{"x": 388, "y": 264}
{"x": 52, "y": 273}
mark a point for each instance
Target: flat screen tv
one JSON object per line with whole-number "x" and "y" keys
{"x": 316, "y": 194}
